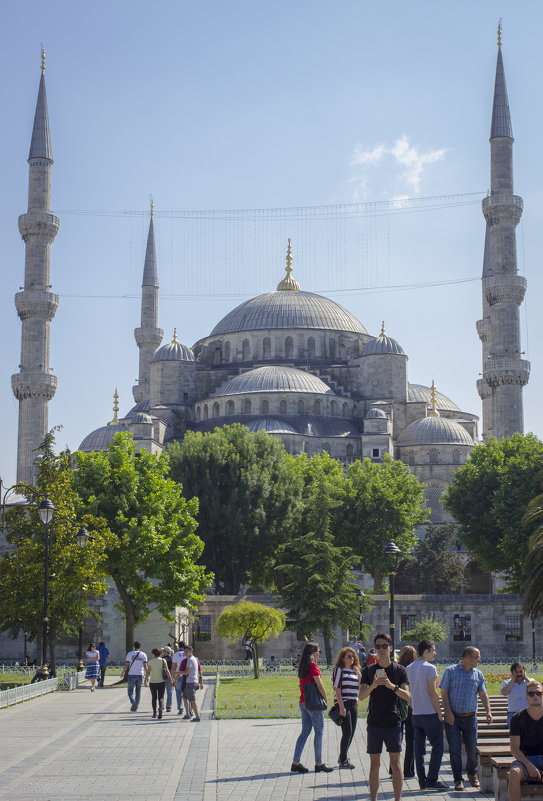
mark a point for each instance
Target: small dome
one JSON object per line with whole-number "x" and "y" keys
{"x": 174, "y": 352}
{"x": 271, "y": 425}
{"x": 375, "y": 412}
{"x": 274, "y": 379}
{"x": 435, "y": 431}
{"x": 142, "y": 417}
{"x": 101, "y": 439}
{"x": 418, "y": 392}
{"x": 382, "y": 344}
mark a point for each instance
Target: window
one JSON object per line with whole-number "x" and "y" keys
{"x": 227, "y": 351}
{"x": 215, "y": 410}
{"x": 513, "y": 627}
{"x": 456, "y": 456}
{"x": 462, "y": 628}
{"x": 203, "y": 628}
{"x": 345, "y": 410}
{"x": 410, "y": 458}
{"x": 318, "y": 407}
{"x": 349, "y": 453}
{"x": 198, "y": 414}
{"x": 245, "y": 350}
{"x": 407, "y": 622}
{"x": 301, "y": 406}
{"x": 283, "y": 407}
{"x": 265, "y": 407}
{"x": 333, "y": 408}
{"x": 185, "y": 397}
{"x": 289, "y": 348}
{"x": 266, "y": 348}
{"x": 432, "y": 453}
{"x": 206, "y": 412}
{"x": 311, "y": 347}
{"x": 246, "y": 406}
{"x": 332, "y": 348}
{"x": 230, "y": 408}
{"x": 217, "y": 356}
{"x": 375, "y": 453}
{"x": 433, "y": 493}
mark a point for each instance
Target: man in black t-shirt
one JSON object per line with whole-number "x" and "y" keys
{"x": 526, "y": 739}
{"x": 384, "y": 683}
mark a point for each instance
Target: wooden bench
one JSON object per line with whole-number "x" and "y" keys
{"x": 500, "y": 775}
{"x": 485, "y": 754}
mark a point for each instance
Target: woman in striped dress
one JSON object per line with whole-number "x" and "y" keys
{"x": 93, "y": 665}
{"x": 346, "y": 680}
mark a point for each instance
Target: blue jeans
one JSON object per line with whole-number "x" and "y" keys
{"x": 169, "y": 692}
{"x": 134, "y": 683}
{"x": 465, "y": 728}
{"x": 179, "y": 687}
{"x": 428, "y": 726}
{"x": 311, "y": 719}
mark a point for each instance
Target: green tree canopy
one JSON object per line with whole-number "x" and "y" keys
{"x": 154, "y": 561}
{"x": 435, "y": 565}
{"x": 247, "y": 620}
{"x": 488, "y": 498}
{"x": 533, "y": 566}
{"x": 249, "y": 497}
{"x": 75, "y": 574}
{"x": 429, "y": 628}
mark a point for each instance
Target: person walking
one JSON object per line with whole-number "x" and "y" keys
{"x": 177, "y": 679}
{"x": 426, "y": 715}
{"x": 167, "y": 653}
{"x": 384, "y": 683}
{"x": 406, "y": 657}
{"x": 514, "y": 689}
{"x": 460, "y": 685}
{"x": 134, "y": 664}
{"x": 93, "y": 665}
{"x": 193, "y": 680}
{"x": 104, "y": 654}
{"x": 308, "y": 671}
{"x": 159, "y": 675}
{"x": 346, "y": 681}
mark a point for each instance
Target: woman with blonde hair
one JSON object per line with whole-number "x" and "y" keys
{"x": 346, "y": 681}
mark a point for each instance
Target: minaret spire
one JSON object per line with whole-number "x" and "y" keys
{"x": 504, "y": 373}
{"x": 33, "y": 385}
{"x": 148, "y": 335}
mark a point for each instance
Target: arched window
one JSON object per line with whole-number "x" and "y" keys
{"x": 246, "y": 406}
{"x": 265, "y": 407}
{"x": 301, "y": 406}
{"x": 456, "y": 456}
{"x": 355, "y": 409}
{"x": 283, "y": 407}
{"x": 410, "y": 458}
{"x": 289, "y": 348}
{"x": 206, "y": 412}
{"x": 185, "y": 397}
{"x": 217, "y": 356}
{"x": 345, "y": 409}
{"x": 227, "y": 351}
{"x": 266, "y": 348}
{"x": 433, "y": 454}
{"x": 333, "y": 408}
{"x": 342, "y": 351}
{"x": 332, "y": 348}
{"x": 230, "y": 408}
{"x": 198, "y": 414}
{"x": 216, "y": 409}
{"x": 318, "y": 407}
{"x": 349, "y": 453}
{"x": 311, "y": 347}
{"x": 246, "y": 350}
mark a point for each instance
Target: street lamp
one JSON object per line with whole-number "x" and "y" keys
{"x": 82, "y": 537}
{"x": 361, "y": 597}
{"x": 392, "y": 555}
{"x": 46, "y": 511}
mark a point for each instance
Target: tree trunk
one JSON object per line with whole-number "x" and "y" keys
{"x": 327, "y": 649}
{"x": 51, "y": 641}
{"x": 378, "y": 582}
{"x": 128, "y": 613}
{"x": 256, "y": 669}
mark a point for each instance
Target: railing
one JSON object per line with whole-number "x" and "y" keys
{"x": 27, "y": 691}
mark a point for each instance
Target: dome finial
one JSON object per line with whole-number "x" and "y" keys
{"x": 500, "y": 32}
{"x": 383, "y": 328}
{"x": 433, "y": 411}
{"x": 288, "y": 282}
{"x": 115, "y": 421}
{"x": 42, "y": 59}
{"x": 152, "y": 207}
{"x": 174, "y": 336}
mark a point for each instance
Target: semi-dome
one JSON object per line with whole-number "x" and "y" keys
{"x": 375, "y": 412}
{"x": 102, "y": 438}
{"x": 174, "y": 351}
{"x": 435, "y": 431}
{"x": 280, "y": 309}
{"x": 381, "y": 345}
{"x": 274, "y": 379}
{"x": 271, "y": 425}
{"x": 418, "y": 392}
{"x": 141, "y": 417}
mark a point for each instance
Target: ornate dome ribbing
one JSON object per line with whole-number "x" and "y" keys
{"x": 174, "y": 352}
{"x": 271, "y": 425}
{"x": 381, "y": 345}
{"x": 101, "y": 438}
{"x": 435, "y": 431}
{"x": 274, "y": 379}
{"x": 375, "y": 412}
{"x": 418, "y": 392}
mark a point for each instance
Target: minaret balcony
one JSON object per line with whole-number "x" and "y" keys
{"x": 36, "y": 304}
{"x": 36, "y": 385}
{"x": 506, "y": 371}
{"x": 502, "y": 209}
{"x": 505, "y": 288}
{"x": 38, "y": 224}
{"x": 483, "y": 328}
{"x": 148, "y": 337}
{"x": 484, "y": 390}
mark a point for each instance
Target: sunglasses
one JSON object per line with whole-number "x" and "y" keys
{"x": 381, "y": 646}
{"x": 531, "y": 693}
{"x": 349, "y": 656}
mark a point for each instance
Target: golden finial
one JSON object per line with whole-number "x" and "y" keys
{"x": 500, "y": 32}
{"x": 115, "y": 421}
{"x": 174, "y": 336}
{"x": 289, "y": 258}
{"x": 152, "y": 207}
{"x": 383, "y": 328}
{"x": 288, "y": 282}
{"x": 433, "y": 411}
{"x": 42, "y": 59}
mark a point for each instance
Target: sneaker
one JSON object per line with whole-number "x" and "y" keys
{"x": 154, "y": 714}
{"x": 179, "y": 711}
{"x": 459, "y": 786}
{"x": 474, "y": 780}
{"x": 346, "y": 764}
{"x": 168, "y": 709}
{"x": 134, "y": 707}
{"x": 185, "y": 717}
{"x": 323, "y": 768}
{"x": 160, "y": 714}
{"x": 195, "y": 720}
{"x": 297, "y": 767}
{"x": 436, "y": 786}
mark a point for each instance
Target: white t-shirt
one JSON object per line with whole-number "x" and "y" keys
{"x": 135, "y": 668}
{"x": 419, "y": 674}
{"x": 177, "y": 658}
{"x": 192, "y": 675}
{"x": 92, "y": 655}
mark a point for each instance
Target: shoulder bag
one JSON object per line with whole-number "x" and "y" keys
{"x": 313, "y": 700}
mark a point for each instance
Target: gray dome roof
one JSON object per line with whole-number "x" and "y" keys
{"x": 382, "y": 344}
{"x": 288, "y": 310}
{"x": 174, "y": 352}
{"x": 375, "y": 412}
{"x": 101, "y": 439}
{"x": 142, "y": 417}
{"x": 418, "y": 392}
{"x": 271, "y": 425}
{"x": 435, "y": 431}
{"x": 274, "y": 379}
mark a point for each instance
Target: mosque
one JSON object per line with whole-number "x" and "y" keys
{"x": 293, "y": 363}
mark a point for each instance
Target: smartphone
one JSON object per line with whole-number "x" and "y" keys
{"x": 380, "y": 673}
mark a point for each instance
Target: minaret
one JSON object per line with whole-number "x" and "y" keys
{"x": 33, "y": 385}
{"x": 504, "y": 373}
{"x": 148, "y": 335}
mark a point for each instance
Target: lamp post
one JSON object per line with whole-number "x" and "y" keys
{"x": 392, "y": 554}
{"x": 361, "y": 597}
{"x": 46, "y": 511}
{"x": 82, "y": 538}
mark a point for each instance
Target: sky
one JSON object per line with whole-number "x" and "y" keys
{"x": 358, "y": 129}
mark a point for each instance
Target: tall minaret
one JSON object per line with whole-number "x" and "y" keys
{"x": 148, "y": 335}
{"x": 504, "y": 372}
{"x": 33, "y": 385}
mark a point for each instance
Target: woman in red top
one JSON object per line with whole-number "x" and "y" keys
{"x": 311, "y": 719}
{"x": 371, "y": 658}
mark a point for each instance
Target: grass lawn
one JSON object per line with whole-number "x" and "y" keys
{"x": 9, "y": 680}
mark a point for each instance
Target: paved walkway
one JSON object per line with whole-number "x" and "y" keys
{"x": 83, "y": 746}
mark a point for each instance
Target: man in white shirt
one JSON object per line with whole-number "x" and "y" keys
{"x": 134, "y": 665}
{"x": 426, "y": 718}
{"x": 514, "y": 689}
{"x": 177, "y": 659}
{"x": 191, "y": 685}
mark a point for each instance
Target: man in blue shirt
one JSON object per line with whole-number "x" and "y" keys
{"x": 460, "y": 686}
{"x": 104, "y": 653}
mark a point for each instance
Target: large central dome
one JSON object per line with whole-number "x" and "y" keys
{"x": 281, "y": 309}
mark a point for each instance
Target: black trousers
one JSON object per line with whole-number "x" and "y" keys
{"x": 408, "y": 759}
{"x": 102, "y": 675}
{"x": 157, "y": 691}
{"x": 348, "y": 727}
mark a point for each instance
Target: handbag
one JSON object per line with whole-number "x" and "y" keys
{"x": 313, "y": 700}
{"x": 333, "y": 714}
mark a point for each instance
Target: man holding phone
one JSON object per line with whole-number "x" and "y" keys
{"x": 384, "y": 683}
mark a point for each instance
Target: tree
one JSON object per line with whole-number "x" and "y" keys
{"x": 533, "y": 566}
{"x": 314, "y": 575}
{"x": 250, "y": 621}
{"x": 249, "y": 497}
{"x": 435, "y": 565}
{"x": 488, "y": 498}
{"x": 154, "y": 561}
{"x": 384, "y": 502}
{"x": 75, "y": 574}
{"x": 427, "y": 629}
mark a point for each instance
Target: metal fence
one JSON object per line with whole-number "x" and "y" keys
{"x": 24, "y": 692}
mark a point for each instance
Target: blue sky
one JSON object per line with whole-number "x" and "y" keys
{"x": 245, "y": 105}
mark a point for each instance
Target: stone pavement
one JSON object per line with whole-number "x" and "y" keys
{"x": 83, "y": 746}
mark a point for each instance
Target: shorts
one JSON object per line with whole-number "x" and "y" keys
{"x": 189, "y": 692}
{"x": 392, "y": 738}
{"x": 535, "y": 759}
